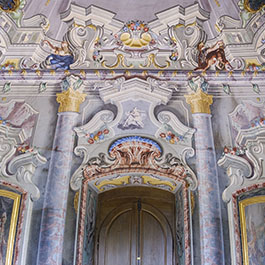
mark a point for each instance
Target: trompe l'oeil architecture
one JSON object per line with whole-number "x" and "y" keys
{"x": 132, "y": 133}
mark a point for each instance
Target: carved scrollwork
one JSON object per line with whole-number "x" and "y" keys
{"x": 138, "y": 154}
{"x": 81, "y": 42}
{"x": 238, "y": 169}
{"x": 18, "y": 169}
{"x": 187, "y": 38}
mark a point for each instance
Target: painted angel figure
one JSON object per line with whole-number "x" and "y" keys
{"x": 212, "y": 55}
{"x": 134, "y": 119}
{"x": 61, "y": 57}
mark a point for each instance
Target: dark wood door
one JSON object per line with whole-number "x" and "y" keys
{"x": 133, "y": 231}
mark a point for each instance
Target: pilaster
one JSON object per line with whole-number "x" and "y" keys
{"x": 211, "y": 235}
{"x": 56, "y": 193}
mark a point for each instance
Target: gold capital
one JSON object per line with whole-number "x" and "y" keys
{"x": 70, "y": 100}
{"x": 200, "y": 102}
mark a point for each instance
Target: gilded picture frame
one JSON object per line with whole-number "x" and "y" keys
{"x": 252, "y": 215}
{"x": 10, "y": 205}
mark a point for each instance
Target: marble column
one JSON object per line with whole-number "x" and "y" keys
{"x": 55, "y": 202}
{"x": 211, "y": 234}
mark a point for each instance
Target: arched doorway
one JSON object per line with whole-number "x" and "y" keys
{"x": 137, "y": 163}
{"x": 135, "y": 226}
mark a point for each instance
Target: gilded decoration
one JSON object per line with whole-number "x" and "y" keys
{"x": 103, "y": 185}
{"x": 119, "y": 181}
{"x": 200, "y": 102}
{"x": 158, "y": 182}
{"x": 10, "y": 204}
{"x": 70, "y": 100}
{"x": 72, "y": 96}
{"x": 135, "y": 34}
{"x": 251, "y": 212}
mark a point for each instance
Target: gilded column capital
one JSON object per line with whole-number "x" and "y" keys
{"x": 199, "y": 101}
{"x": 72, "y": 96}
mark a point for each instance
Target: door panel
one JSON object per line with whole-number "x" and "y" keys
{"x": 118, "y": 240}
{"x": 129, "y": 234}
{"x": 153, "y": 241}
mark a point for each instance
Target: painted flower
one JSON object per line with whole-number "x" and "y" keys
{"x": 99, "y": 133}
{"x": 106, "y": 131}
{"x": 172, "y": 141}
{"x": 162, "y": 135}
{"x": 226, "y": 150}
{"x": 168, "y": 138}
{"x": 19, "y": 149}
{"x": 101, "y": 137}
{"x": 90, "y": 141}
{"x": 96, "y": 138}
{"x": 146, "y": 29}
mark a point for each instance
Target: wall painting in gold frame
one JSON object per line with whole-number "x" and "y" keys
{"x": 9, "y": 210}
{"x": 252, "y": 222}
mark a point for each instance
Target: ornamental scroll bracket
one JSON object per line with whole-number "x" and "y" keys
{"x": 18, "y": 169}
{"x": 249, "y": 169}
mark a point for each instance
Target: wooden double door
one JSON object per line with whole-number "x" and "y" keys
{"x": 135, "y": 226}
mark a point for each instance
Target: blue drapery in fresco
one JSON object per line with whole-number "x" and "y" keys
{"x": 255, "y": 5}
{"x": 7, "y": 5}
{"x": 60, "y": 62}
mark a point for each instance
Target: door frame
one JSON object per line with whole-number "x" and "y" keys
{"x": 142, "y": 156}
{"x": 82, "y": 219}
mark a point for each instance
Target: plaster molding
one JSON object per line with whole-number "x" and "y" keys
{"x": 167, "y": 117}
{"x": 22, "y": 169}
{"x": 83, "y": 148}
{"x": 18, "y": 169}
{"x": 238, "y": 170}
{"x": 91, "y": 15}
{"x": 179, "y": 15}
{"x": 243, "y": 41}
{"x": 152, "y": 90}
{"x": 249, "y": 170}
{"x": 81, "y": 40}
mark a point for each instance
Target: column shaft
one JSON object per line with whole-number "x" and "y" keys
{"x": 56, "y": 194}
{"x": 211, "y": 234}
